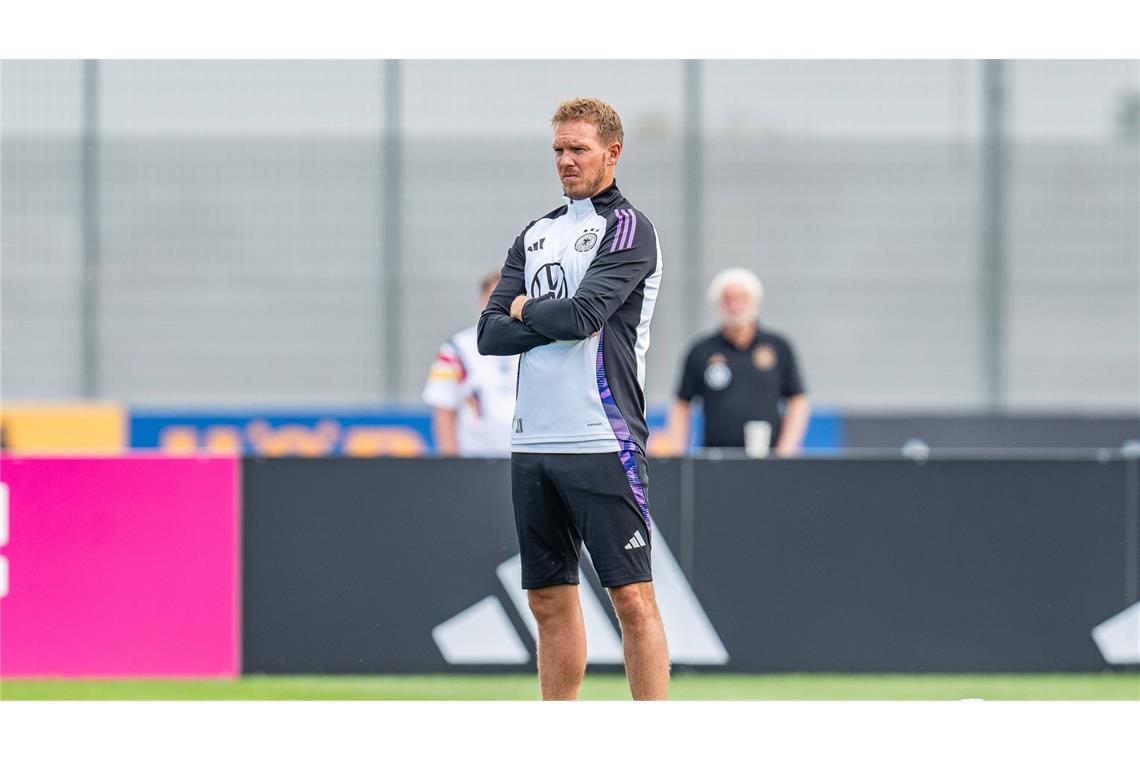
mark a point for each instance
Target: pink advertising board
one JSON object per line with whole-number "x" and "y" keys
{"x": 119, "y": 566}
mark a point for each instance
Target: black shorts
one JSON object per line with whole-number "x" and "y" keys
{"x": 562, "y": 500}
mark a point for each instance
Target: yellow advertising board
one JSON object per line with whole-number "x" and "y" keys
{"x": 64, "y": 428}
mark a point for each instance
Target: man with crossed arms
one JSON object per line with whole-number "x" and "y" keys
{"x": 575, "y": 300}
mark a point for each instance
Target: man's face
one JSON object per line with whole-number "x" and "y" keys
{"x": 737, "y": 306}
{"x": 584, "y": 165}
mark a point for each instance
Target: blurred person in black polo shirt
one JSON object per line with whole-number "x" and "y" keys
{"x": 741, "y": 373}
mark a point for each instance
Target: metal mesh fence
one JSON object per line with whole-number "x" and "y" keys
{"x": 297, "y": 232}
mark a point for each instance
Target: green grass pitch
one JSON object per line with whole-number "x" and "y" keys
{"x": 685, "y": 686}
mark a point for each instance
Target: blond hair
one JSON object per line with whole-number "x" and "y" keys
{"x": 592, "y": 111}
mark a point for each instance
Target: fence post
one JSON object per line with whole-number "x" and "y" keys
{"x": 391, "y": 220}
{"x": 692, "y": 195}
{"x": 993, "y": 275}
{"x": 90, "y": 209}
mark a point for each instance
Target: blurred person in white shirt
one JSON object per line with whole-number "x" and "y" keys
{"x": 472, "y": 396}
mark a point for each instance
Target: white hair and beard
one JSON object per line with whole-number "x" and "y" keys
{"x": 742, "y": 278}
{"x": 739, "y": 320}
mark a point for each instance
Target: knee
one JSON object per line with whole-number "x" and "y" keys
{"x": 551, "y": 604}
{"x": 634, "y": 605}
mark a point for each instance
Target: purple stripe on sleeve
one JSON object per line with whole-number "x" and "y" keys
{"x": 624, "y": 438}
{"x": 618, "y": 231}
{"x": 630, "y": 229}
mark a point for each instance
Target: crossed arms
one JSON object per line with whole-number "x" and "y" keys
{"x": 514, "y": 323}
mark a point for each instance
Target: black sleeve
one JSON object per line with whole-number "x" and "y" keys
{"x": 499, "y": 334}
{"x": 691, "y": 380}
{"x": 611, "y": 277}
{"x": 790, "y": 382}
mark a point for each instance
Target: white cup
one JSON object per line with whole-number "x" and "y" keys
{"x": 757, "y": 438}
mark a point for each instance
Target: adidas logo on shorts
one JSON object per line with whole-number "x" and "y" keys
{"x": 636, "y": 541}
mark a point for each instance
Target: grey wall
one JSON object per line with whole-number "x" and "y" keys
{"x": 242, "y": 237}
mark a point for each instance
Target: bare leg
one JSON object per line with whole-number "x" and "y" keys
{"x": 643, "y": 640}
{"x": 561, "y": 640}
